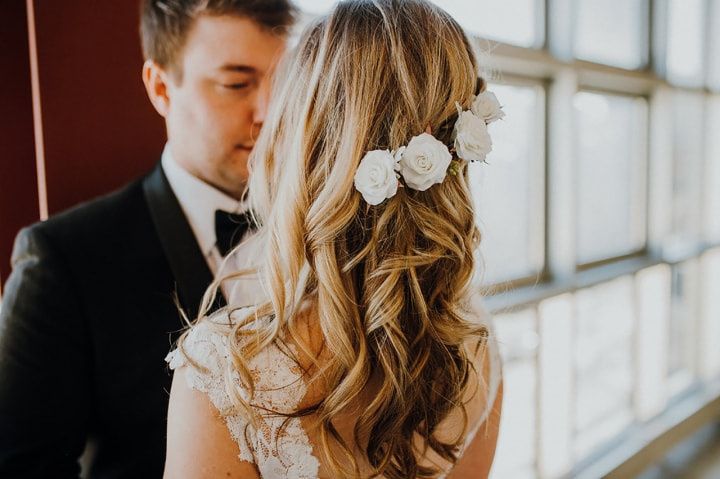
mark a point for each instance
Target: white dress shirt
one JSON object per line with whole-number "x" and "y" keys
{"x": 199, "y": 201}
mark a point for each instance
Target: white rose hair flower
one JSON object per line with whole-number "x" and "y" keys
{"x": 375, "y": 178}
{"x": 487, "y": 107}
{"x": 470, "y": 136}
{"x": 425, "y": 161}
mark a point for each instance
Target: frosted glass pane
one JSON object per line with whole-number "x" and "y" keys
{"x": 685, "y": 42}
{"x": 683, "y": 318}
{"x": 518, "y": 339}
{"x": 604, "y": 364}
{"x": 612, "y": 32}
{"x": 714, "y": 64}
{"x": 611, "y": 143}
{"x": 712, "y": 176}
{"x": 511, "y": 21}
{"x": 688, "y": 168}
{"x": 652, "y": 291}
{"x": 556, "y": 380}
{"x": 518, "y": 22}
{"x": 709, "y": 327}
{"x": 315, "y": 7}
{"x": 508, "y": 191}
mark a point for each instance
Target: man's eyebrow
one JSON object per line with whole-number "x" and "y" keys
{"x": 232, "y": 67}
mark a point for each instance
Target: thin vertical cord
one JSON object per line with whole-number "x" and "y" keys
{"x": 37, "y": 112}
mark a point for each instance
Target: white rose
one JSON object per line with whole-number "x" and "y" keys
{"x": 375, "y": 178}
{"x": 424, "y": 162}
{"x": 472, "y": 140}
{"x": 487, "y": 107}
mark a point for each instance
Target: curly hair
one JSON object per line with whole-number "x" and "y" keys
{"x": 390, "y": 283}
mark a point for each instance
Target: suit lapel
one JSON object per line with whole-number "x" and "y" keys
{"x": 191, "y": 271}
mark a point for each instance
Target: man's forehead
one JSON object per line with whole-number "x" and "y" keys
{"x": 232, "y": 44}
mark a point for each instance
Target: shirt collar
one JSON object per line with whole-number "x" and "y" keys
{"x": 198, "y": 200}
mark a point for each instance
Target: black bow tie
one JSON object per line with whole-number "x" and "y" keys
{"x": 230, "y": 228}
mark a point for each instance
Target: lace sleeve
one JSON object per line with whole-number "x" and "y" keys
{"x": 205, "y": 354}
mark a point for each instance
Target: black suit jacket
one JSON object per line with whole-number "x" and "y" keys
{"x": 88, "y": 316}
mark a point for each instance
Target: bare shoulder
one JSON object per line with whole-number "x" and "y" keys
{"x": 199, "y": 444}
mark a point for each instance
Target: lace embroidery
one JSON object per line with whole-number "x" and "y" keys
{"x": 278, "y": 452}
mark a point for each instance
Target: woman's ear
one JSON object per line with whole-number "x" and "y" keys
{"x": 155, "y": 80}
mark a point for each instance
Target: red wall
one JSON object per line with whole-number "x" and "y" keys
{"x": 18, "y": 178}
{"x": 99, "y": 129}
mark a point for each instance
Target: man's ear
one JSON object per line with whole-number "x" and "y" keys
{"x": 155, "y": 80}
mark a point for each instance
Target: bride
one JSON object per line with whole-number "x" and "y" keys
{"x": 371, "y": 355}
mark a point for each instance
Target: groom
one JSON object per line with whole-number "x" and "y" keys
{"x": 88, "y": 313}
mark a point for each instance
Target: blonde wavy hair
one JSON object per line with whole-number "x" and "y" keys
{"x": 390, "y": 283}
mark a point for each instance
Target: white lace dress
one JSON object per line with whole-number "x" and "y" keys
{"x": 278, "y": 452}
{"x": 278, "y": 387}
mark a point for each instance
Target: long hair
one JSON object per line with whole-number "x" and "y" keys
{"x": 389, "y": 283}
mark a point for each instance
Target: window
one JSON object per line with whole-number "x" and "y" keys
{"x": 518, "y": 339}
{"x": 712, "y": 176}
{"x": 315, "y": 7}
{"x": 509, "y": 191}
{"x": 714, "y": 46}
{"x": 603, "y": 359}
{"x": 518, "y": 22}
{"x": 613, "y": 307}
{"x": 614, "y": 32}
{"x": 685, "y": 42}
{"x": 683, "y": 320}
{"x": 687, "y": 175}
{"x": 611, "y": 171}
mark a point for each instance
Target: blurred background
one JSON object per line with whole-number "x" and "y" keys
{"x": 600, "y": 206}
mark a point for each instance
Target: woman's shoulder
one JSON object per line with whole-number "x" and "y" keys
{"x": 204, "y": 343}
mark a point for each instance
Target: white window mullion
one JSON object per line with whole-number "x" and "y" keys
{"x": 561, "y": 174}
{"x": 560, "y": 18}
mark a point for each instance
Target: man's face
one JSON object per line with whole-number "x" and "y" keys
{"x": 215, "y": 110}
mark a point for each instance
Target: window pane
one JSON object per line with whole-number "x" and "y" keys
{"x": 714, "y": 64}
{"x": 683, "y": 317}
{"x": 612, "y": 32}
{"x": 685, "y": 43}
{"x": 687, "y": 168}
{"x": 518, "y": 339}
{"x": 518, "y": 22}
{"x": 509, "y": 191}
{"x": 603, "y": 361}
{"x": 611, "y": 143}
{"x": 712, "y": 178}
{"x": 708, "y": 365}
{"x": 652, "y": 305}
{"x": 315, "y": 7}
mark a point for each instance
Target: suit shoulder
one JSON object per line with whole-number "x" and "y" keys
{"x": 109, "y": 212}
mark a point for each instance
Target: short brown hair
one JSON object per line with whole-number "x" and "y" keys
{"x": 164, "y": 24}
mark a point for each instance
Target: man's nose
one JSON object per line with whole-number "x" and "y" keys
{"x": 262, "y": 98}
